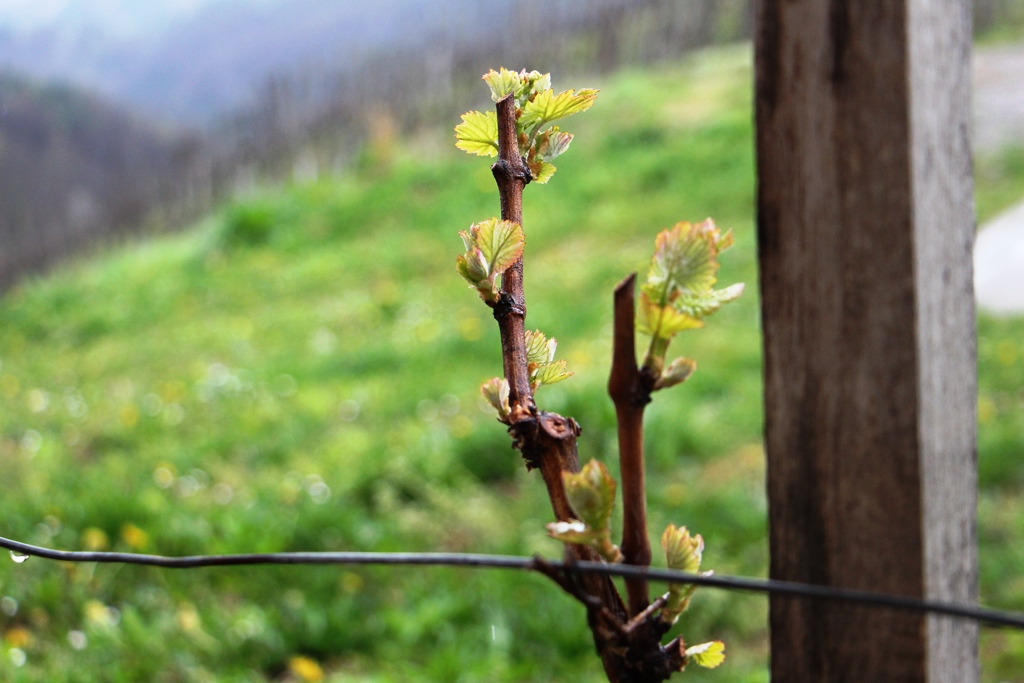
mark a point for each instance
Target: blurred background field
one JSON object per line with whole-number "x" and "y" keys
{"x": 299, "y": 371}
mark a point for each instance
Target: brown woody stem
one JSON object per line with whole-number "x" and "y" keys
{"x": 630, "y": 390}
{"x": 512, "y": 174}
{"x": 642, "y": 618}
{"x": 548, "y": 443}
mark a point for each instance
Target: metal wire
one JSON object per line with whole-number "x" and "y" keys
{"x": 983, "y": 615}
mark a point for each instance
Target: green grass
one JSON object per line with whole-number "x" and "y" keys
{"x": 998, "y": 178}
{"x": 1007, "y": 26}
{"x": 300, "y": 372}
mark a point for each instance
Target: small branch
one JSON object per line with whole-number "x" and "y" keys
{"x": 622, "y": 381}
{"x": 675, "y": 652}
{"x": 626, "y": 388}
{"x": 623, "y": 661}
{"x": 511, "y": 175}
{"x": 642, "y": 618}
{"x": 548, "y": 443}
{"x": 510, "y": 164}
{"x": 569, "y": 582}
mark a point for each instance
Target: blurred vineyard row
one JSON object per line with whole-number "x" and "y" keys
{"x": 78, "y": 172}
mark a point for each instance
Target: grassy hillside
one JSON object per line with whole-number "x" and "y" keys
{"x": 300, "y": 372}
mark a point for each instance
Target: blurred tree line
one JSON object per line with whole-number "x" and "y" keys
{"x": 76, "y": 171}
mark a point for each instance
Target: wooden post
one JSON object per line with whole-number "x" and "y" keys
{"x": 866, "y": 225}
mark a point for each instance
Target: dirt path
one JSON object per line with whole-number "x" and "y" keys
{"x": 999, "y": 97}
{"x": 999, "y": 122}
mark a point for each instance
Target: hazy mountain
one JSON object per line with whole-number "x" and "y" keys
{"x": 74, "y": 167}
{"x": 278, "y": 88}
{"x": 116, "y": 18}
{"x": 190, "y": 62}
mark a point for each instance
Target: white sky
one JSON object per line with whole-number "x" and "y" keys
{"x": 124, "y": 18}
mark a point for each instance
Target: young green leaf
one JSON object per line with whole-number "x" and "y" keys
{"x": 550, "y": 373}
{"x": 591, "y": 493}
{"x": 573, "y": 531}
{"x": 533, "y": 82}
{"x": 542, "y": 171}
{"x": 679, "y": 290}
{"x": 540, "y": 360}
{"x": 547, "y": 106}
{"x": 539, "y": 349}
{"x": 683, "y": 262}
{"x": 473, "y": 268}
{"x": 707, "y": 655}
{"x": 472, "y": 265}
{"x": 501, "y": 242}
{"x": 478, "y": 133}
{"x": 552, "y": 143}
{"x": 491, "y": 247}
{"x": 663, "y": 321}
{"x": 682, "y": 552}
{"x": 677, "y": 372}
{"x": 496, "y": 390}
{"x": 576, "y": 531}
{"x": 705, "y": 303}
{"x": 503, "y": 83}
{"x": 536, "y": 105}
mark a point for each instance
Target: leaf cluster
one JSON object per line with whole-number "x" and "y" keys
{"x": 707, "y": 655}
{"x": 683, "y": 551}
{"x": 542, "y": 366}
{"x": 679, "y": 292}
{"x": 495, "y": 391}
{"x": 540, "y": 360}
{"x": 537, "y": 105}
{"x": 492, "y": 246}
{"x": 591, "y": 493}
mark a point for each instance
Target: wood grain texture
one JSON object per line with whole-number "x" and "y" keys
{"x": 944, "y": 237}
{"x": 865, "y": 228}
